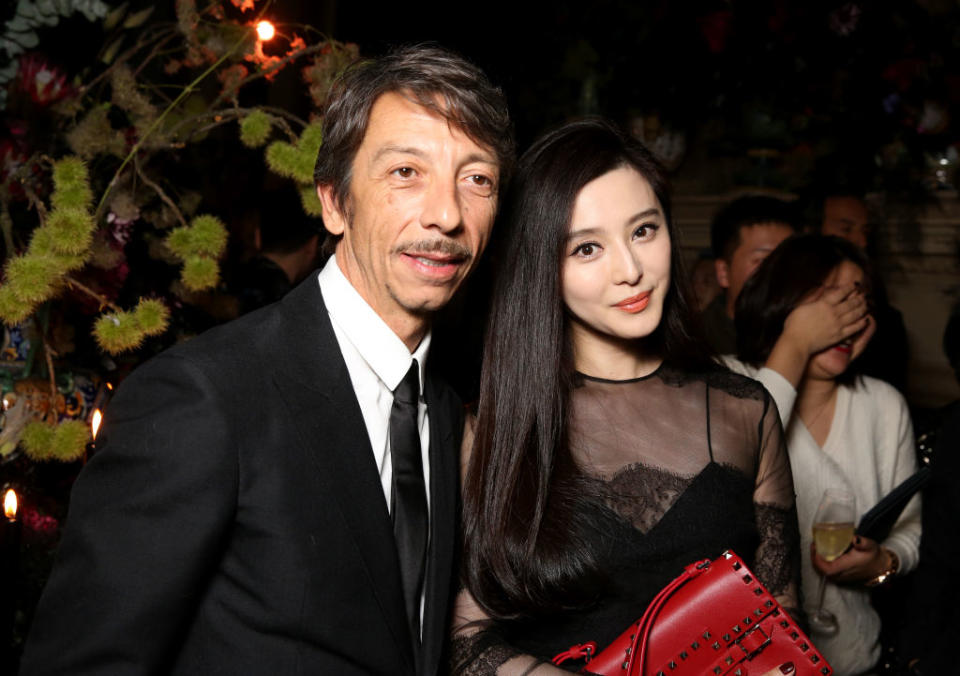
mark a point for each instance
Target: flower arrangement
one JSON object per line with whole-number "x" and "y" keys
{"x": 83, "y": 173}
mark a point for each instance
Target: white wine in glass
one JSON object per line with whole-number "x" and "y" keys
{"x": 832, "y": 539}
{"x": 832, "y": 535}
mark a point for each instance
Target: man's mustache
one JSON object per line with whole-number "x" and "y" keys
{"x": 427, "y": 246}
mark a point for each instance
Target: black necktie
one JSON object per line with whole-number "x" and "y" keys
{"x": 409, "y": 495}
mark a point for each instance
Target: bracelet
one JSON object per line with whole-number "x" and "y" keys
{"x": 888, "y": 572}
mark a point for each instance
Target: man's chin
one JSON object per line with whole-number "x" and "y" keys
{"x": 426, "y": 303}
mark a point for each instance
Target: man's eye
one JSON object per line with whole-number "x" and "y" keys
{"x": 480, "y": 179}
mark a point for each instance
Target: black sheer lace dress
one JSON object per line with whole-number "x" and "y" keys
{"x": 680, "y": 468}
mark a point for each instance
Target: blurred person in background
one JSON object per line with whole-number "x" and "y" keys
{"x": 742, "y": 234}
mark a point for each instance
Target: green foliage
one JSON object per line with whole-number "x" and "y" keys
{"x": 209, "y": 235}
{"x": 255, "y": 129}
{"x": 65, "y": 442}
{"x": 199, "y": 246}
{"x": 70, "y": 230}
{"x": 12, "y": 309}
{"x": 37, "y": 441}
{"x": 180, "y": 242}
{"x": 311, "y": 139}
{"x": 283, "y": 159}
{"x": 118, "y": 332}
{"x": 206, "y": 236}
{"x": 60, "y": 245}
{"x": 296, "y": 162}
{"x": 311, "y": 203}
{"x": 200, "y": 272}
{"x": 152, "y": 316}
{"x": 70, "y": 173}
{"x": 72, "y": 196}
{"x": 32, "y": 279}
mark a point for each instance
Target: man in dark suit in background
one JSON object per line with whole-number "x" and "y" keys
{"x": 277, "y": 496}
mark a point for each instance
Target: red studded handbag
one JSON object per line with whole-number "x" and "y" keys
{"x": 715, "y": 619}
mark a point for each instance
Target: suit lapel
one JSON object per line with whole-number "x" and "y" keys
{"x": 444, "y": 455}
{"x": 315, "y": 385}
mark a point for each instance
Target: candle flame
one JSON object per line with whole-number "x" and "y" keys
{"x": 266, "y": 31}
{"x": 110, "y": 386}
{"x": 10, "y": 504}
{"x": 95, "y": 422}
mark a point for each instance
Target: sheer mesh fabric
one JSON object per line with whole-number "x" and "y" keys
{"x": 684, "y": 467}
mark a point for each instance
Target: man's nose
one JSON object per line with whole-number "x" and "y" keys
{"x": 441, "y": 207}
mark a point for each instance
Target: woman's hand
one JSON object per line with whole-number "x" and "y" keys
{"x": 864, "y": 560}
{"x": 831, "y": 317}
{"x": 827, "y": 319}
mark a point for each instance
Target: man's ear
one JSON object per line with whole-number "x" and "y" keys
{"x": 723, "y": 272}
{"x": 333, "y": 219}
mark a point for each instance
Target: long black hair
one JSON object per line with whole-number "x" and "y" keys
{"x": 794, "y": 270}
{"x": 523, "y": 554}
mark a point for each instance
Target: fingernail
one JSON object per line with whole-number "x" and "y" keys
{"x": 787, "y": 668}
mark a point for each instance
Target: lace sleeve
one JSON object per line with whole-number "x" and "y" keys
{"x": 478, "y": 648}
{"x": 777, "y": 561}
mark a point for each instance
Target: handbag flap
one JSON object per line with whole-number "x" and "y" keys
{"x": 720, "y": 622}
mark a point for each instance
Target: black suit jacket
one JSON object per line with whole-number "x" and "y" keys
{"x": 232, "y": 520}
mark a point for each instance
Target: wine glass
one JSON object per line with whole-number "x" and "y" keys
{"x": 832, "y": 534}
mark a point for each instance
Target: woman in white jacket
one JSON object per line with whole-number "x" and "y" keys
{"x": 800, "y": 326}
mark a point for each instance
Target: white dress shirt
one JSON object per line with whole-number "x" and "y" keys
{"x": 377, "y": 360}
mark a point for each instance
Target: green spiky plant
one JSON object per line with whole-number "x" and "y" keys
{"x": 109, "y": 173}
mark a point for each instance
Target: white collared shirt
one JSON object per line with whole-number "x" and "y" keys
{"x": 377, "y": 360}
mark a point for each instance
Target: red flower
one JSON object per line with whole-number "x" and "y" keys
{"x": 45, "y": 84}
{"x": 37, "y": 522}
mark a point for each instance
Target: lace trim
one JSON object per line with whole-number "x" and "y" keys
{"x": 642, "y": 494}
{"x": 720, "y": 378}
{"x": 480, "y": 654}
{"x": 778, "y": 551}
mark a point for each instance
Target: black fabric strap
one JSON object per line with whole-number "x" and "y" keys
{"x": 409, "y": 509}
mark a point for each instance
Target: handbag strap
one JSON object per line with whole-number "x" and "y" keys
{"x": 638, "y": 650}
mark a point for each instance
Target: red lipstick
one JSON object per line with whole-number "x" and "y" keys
{"x": 634, "y": 304}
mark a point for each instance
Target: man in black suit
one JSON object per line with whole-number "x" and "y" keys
{"x": 277, "y": 496}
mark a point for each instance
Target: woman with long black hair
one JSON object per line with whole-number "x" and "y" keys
{"x": 610, "y": 449}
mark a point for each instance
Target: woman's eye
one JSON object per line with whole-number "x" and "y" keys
{"x": 481, "y": 180}
{"x": 586, "y": 250}
{"x": 404, "y": 172}
{"x": 645, "y": 231}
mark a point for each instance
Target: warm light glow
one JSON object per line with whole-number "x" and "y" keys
{"x": 10, "y": 504}
{"x": 95, "y": 422}
{"x": 266, "y": 31}
{"x": 110, "y": 386}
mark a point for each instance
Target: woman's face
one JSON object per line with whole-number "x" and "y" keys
{"x": 616, "y": 266}
{"x": 830, "y": 363}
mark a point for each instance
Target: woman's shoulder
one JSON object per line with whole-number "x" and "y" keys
{"x": 879, "y": 393}
{"x": 720, "y": 376}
